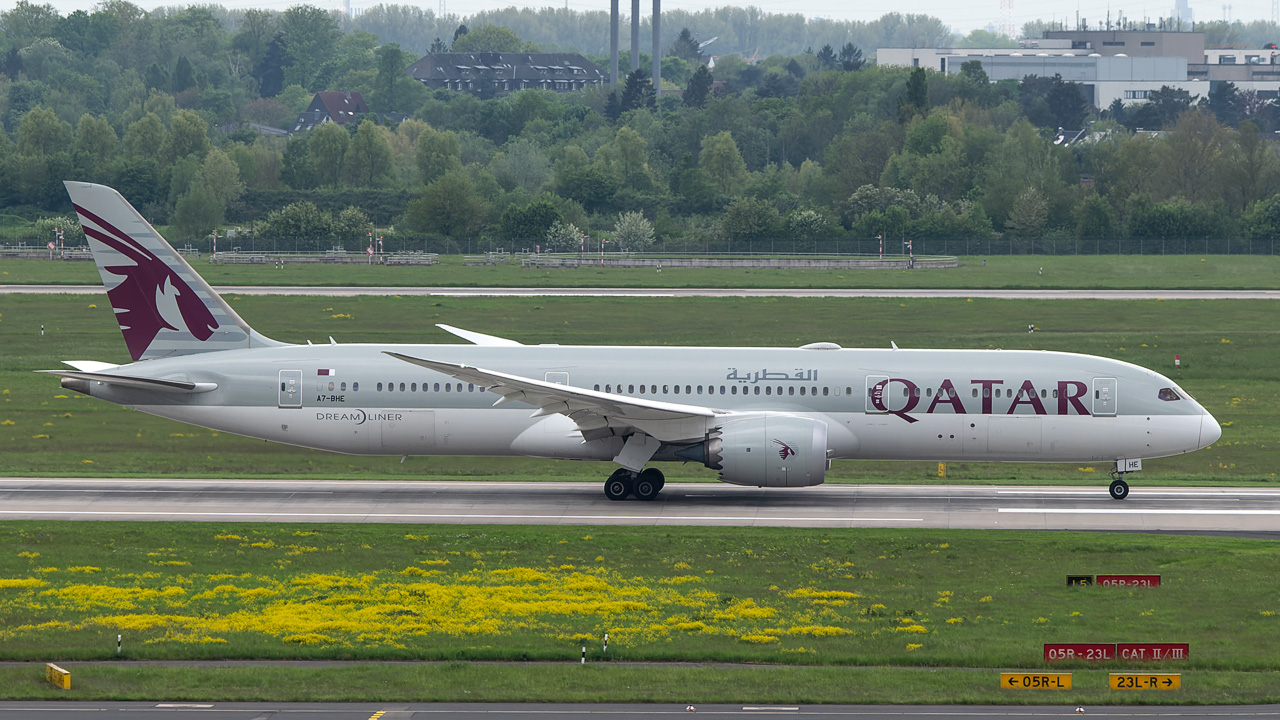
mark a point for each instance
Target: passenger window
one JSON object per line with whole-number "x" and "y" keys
{"x": 677, "y": 389}
{"x": 631, "y": 389}
{"x": 928, "y": 392}
{"x": 824, "y": 392}
{"x": 641, "y": 389}
{"x": 448, "y": 387}
{"x": 1044, "y": 393}
{"x": 687, "y": 389}
{"x": 801, "y": 391}
{"x": 757, "y": 389}
{"x": 597, "y": 387}
{"x": 848, "y": 390}
{"x": 666, "y": 389}
{"x": 768, "y": 390}
{"x": 975, "y": 392}
{"x": 281, "y": 387}
{"x": 721, "y": 389}
{"x": 1169, "y": 394}
{"x": 471, "y": 387}
{"x": 791, "y": 390}
{"x": 331, "y": 387}
{"x": 608, "y": 388}
{"x": 355, "y": 386}
{"x": 986, "y": 392}
{"x": 653, "y": 389}
{"x": 344, "y": 387}
{"x": 700, "y": 389}
{"x": 436, "y": 387}
{"x": 414, "y": 387}
{"x": 905, "y": 392}
{"x": 401, "y": 387}
{"x": 379, "y": 387}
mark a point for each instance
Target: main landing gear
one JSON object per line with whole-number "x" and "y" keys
{"x": 644, "y": 485}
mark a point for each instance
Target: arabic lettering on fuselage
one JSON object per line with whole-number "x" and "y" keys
{"x": 766, "y": 375}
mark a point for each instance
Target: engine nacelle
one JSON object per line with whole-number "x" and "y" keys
{"x": 771, "y": 450}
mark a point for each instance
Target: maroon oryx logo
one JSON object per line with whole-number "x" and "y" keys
{"x": 786, "y": 450}
{"x": 147, "y": 282}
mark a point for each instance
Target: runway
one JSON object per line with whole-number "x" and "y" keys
{"x": 460, "y": 711}
{"x": 1238, "y": 511}
{"x": 1052, "y": 294}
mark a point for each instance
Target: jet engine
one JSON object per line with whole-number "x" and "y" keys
{"x": 771, "y": 450}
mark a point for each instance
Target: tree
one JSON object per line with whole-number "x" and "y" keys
{"x": 722, "y": 160}
{"x": 1224, "y": 102}
{"x": 367, "y": 161}
{"x": 295, "y": 164}
{"x": 521, "y": 164}
{"x": 851, "y": 58}
{"x": 437, "y": 46}
{"x": 490, "y": 38}
{"x": 916, "y": 99}
{"x": 749, "y": 220}
{"x": 302, "y": 222}
{"x": 95, "y": 137}
{"x": 449, "y": 206}
{"x": 1191, "y": 157}
{"x": 1168, "y": 103}
{"x": 807, "y": 225}
{"x": 197, "y": 213}
{"x": 563, "y": 237}
{"x": 42, "y": 133}
{"x": 437, "y": 152}
{"x": 1252, "y": 168}
{"x": 695, "y": 94}
{"x": 638, "y": 92}
{"x": 351, "y": 224}
{"x": 1095, "y": 220}
{"x": 1027, "y": 217}
{"x": 183, "y": 75}
{"x": 686, "y": 46}
{"x": 327, "y": 147}
{"x": 827, "y": 58}
{"x": 632, "y": 232}
{"x": 528, "y": 223}
{"x": 188, "y": 134}
{"x": 309, "y": 35}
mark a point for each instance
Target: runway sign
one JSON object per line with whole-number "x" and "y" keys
{"x": 1154, "y": 651}
{"x": 1092, "y": 652}
{"x": 1073, "y": 580}
{"x": 57, "y": 676}
{"x": 1036, "y": 681}
{"x": 1146, "y": 681}
{"x": 1129, "y": 580}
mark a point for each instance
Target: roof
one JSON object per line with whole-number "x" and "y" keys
{"x": 331, "y": 106}
{"x": 505, "y": 65}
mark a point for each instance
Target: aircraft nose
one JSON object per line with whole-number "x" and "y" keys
{"x": 1210, "y": 430}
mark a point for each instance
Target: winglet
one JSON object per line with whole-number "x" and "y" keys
{"x": 478, "y": 338}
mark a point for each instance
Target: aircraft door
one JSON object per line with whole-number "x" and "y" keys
{"x": 1104, "y": 396}
{"x": 290, "y": 389}
{"x": 876, "y": 386}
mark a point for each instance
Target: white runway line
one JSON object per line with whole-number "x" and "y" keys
{"x": 1134, "y": 511}
{"x": 455, "y": 516}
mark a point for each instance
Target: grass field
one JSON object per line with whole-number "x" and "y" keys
{"x": 1000, "y": 271}
{"x": 1227, "y": 348}
{"x": 886, "y": 602}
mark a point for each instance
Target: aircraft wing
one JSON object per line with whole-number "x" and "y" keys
{"x": 597, "y": 414}
{"x": 140, "y": 383}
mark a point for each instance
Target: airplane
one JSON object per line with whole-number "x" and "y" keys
{"x": 764, "y": 417}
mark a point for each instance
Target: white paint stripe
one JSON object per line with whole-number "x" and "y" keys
{"x": 1134, "y": 511}
{"x": 1225, "y": 492}
{"x": 760, "y": 518}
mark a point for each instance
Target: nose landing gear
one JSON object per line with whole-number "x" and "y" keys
{"x": 1119, "y": 488}
{"x": 644, "y": 485}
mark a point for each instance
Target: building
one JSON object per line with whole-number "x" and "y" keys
{"x": 1111, "y": 64}
{"x": 331, "y": 106}
{"x": 498, "y": 73}
{"x": 338, "y": 106}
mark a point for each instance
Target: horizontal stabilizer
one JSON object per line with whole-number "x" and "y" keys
{"x": 141, "y": 383}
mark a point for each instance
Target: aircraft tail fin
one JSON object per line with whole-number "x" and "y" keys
{"x": 162, "y": 305}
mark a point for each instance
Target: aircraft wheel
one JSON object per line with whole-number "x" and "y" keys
{"x": 649, "y": 484}
{"x": 1119, "y": 489}
{"x": 619, "y": 484}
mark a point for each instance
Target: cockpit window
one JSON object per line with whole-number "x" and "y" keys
{"x": 1169, "y": 395}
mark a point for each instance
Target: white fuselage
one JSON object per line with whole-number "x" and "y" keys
{"x": 987, "y": 405}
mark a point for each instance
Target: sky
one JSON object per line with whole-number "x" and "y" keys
{"x": 961, "y": 16}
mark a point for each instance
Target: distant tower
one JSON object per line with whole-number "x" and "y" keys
{"x": 1006, "y": 20}
{"x": 1182, "y": 11}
